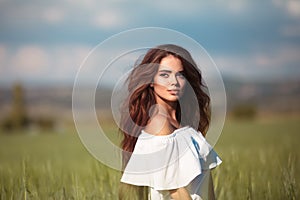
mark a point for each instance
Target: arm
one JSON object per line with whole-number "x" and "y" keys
{"x": 180, "y": 194}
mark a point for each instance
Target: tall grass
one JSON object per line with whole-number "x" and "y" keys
{"x": 260, "y": 161}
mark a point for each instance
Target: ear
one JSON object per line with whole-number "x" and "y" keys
{"x": 151, "y": 85}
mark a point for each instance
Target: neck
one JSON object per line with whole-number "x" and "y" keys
{"x": 167, "y": 107}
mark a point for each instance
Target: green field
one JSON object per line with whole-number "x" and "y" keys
{"x": 260, "y": 161}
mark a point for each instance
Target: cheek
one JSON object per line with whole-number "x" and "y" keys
{"x": 158, "y": 84}
{"x": 160, "y": 81}
{"x": 182, "y": 86}
{"x": 182, "y": 83}
{"x": 159, "y": 88}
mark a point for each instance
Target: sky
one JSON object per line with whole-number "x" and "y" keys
{"x": 45, "y": 42}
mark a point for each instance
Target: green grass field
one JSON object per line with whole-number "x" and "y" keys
{"x": 260, "y": 161}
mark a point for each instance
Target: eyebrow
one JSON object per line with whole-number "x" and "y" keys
{"x": 169, "y": 71}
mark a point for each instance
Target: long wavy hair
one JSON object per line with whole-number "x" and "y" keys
{"x": 192, "y": 110}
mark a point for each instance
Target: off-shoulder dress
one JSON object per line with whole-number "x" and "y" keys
{"x": 183, "y": 158}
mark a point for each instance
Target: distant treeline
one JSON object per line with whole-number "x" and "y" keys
{"x": 42, "y": 106}
{"x": 17, "y": 118}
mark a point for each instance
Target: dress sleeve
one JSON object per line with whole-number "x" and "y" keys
{"x": 169, "y": 162}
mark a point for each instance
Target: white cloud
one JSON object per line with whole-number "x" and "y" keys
{"x": 292, "y": 7}
{"x": 236, "y": 6}
{"x": 280, "y": 58}
{"x": 106, "y": 15}
{"x": 277, "y": 63}
{"x": 61, "y": 63}
{"x": 30, "y": 59}
{"x": 30, "y": 13}
{"x": 33, "y": 62}
{"x": 176, "y": 7}
{"x": 68, "y": 60}
{"x": 112, "y": 14}
{"x": 190, "y": 8}
{"x": 109, "y": 19}
{"x": 53, "y": 15}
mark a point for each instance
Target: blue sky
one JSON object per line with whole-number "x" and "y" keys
{"x": 46, "y": 41}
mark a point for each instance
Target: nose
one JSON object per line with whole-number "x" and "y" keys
{"x": 173, "y": 80}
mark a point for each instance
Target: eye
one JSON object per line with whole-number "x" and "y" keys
{"x": 165, "y": 75}
{"x": 180, "y": 75}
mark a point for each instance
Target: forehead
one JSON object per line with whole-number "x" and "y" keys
{"x": 171, "y": 63}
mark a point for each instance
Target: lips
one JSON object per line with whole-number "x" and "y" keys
{"x": 174, "y": 92}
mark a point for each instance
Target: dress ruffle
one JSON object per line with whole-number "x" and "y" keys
{"x": 170, "y": 161}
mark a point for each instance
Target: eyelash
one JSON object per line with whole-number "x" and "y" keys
{"x": 167, "y": 75}
{"x": 181, "y": 75}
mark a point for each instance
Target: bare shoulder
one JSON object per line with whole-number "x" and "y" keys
{"x": 159, "y": 125}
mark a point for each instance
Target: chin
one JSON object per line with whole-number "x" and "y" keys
{"x": 173, "y": 98}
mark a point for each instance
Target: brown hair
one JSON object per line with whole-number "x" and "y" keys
{"x": 135, "y": 110}
{"x": 194, "y": 102}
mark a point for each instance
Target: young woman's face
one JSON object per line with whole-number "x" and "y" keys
{"x": 169, "y": 81}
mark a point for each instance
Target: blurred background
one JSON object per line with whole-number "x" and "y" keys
{"x": 255, "y": 44}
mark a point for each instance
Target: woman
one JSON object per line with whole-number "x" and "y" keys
{"x": 164, "y": 128}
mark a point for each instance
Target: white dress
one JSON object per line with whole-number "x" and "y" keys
{"x": 181, "y": 159}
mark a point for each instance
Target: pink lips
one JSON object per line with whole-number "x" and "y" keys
{"x": 174, "y": 92}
